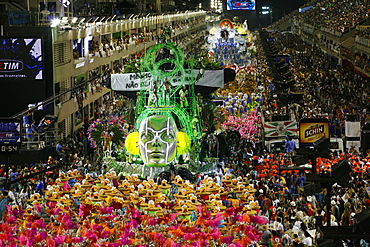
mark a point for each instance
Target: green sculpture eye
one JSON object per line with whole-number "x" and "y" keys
{"x": 167, "y": 137}
{"x": 147, "y": 137}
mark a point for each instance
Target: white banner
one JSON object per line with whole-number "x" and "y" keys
{"x": 352, "y": 129}
{"x": 131, "y": 81}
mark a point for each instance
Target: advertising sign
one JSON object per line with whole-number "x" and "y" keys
{"x": 10, "y": 135}
{"x": 21, "y": 58}
{"x": 312, "y": 130}
{"x": 241, "y": 5}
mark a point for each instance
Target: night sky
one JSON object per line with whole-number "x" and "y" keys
{"x": 281, "y": 6}
{"x": 279, "y": 9}
{"x": 255, "y": 20}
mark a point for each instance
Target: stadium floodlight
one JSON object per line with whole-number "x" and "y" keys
{"x": 55, "y": 22}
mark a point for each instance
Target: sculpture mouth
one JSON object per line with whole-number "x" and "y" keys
{"x": 156, "y": 154}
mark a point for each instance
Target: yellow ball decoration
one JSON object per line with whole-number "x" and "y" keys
{"x": 183, "y": 143}
{"x": 132, "y": 143}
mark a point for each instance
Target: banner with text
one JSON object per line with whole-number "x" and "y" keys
{"x": 132, "y": 81}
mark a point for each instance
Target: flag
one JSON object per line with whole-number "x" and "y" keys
{"x": 352, "y": 129}
{"x": 281, "y": 128}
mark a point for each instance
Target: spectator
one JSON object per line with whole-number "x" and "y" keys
{"x": 266, "y": 236}
{"x": 307, "y": 241}
{"x": 289, "y": 148}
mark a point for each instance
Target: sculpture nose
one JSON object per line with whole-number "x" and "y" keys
{"x": 156, "y": 142}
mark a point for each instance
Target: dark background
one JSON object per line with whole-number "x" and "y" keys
{"x": 255, "y": 19}
{"x": 279, "y": 8}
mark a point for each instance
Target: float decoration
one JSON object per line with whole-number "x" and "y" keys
{"x": 247, "y": 126}
{"x": 106, "y": 134}
{"x": 168, "y": 106}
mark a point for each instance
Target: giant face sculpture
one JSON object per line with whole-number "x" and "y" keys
{"x": 158, "y": 140}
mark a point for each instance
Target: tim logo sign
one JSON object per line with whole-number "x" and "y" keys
{"x": 8, "y": 65}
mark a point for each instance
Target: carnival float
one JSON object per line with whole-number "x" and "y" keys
{"x": 172, "y": 92}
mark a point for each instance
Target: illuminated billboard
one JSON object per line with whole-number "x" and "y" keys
{"x": 10, "y": 135}
{"x": 312, "y": 130}
{"x": 241, "y": 5}
{"x": 21, "y": 58}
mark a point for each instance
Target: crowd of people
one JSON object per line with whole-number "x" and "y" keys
{"x": 247, "y": 200}
{"x": 350, "y": 15}
{"x": 105, "y": 46}
{"x": 334, "y": 17}
{"x": 318, "y": 78}
{"x": 275, "y": 25}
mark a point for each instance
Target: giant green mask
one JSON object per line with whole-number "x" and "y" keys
{"x": 158, "y": 140}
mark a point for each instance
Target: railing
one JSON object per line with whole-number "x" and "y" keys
{"x": 308, "y": 28}
{"x": 45, "y": 17}
{"x": 331, "y": 31}
{"x": 363, "y": 41}
{"x": 37, "y": 141}
{"x": 52, "y": 98}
